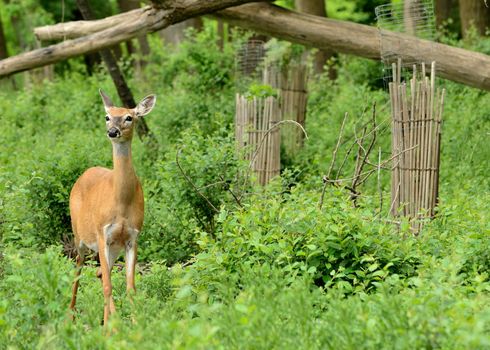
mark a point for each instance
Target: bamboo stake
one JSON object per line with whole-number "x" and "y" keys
{"x": 393, "y": 150}
{"x": 263, "y": 151}
{"x": 412, "y": 129}
{"x": 267, "y": 148}
{"x": 431, "y": 141}
{"x": 423, "y": 143}
{"x": 421, "y": 147}
{"x": 439, "y": 125}
{"x": 406, "y": 145}
{"x": 426, "y": 147}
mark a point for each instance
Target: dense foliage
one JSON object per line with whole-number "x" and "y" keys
{"x": 244, "y": 267}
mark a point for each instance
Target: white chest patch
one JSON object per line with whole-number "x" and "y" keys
{"x": 113, "y": 251}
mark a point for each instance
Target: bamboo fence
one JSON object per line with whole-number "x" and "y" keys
{"x": 293, "y": 95}
{"x": 416, "y": 142}
{"x": 256, "y": 132}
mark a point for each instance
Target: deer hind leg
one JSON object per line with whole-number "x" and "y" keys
{"x": 78, "y": 270}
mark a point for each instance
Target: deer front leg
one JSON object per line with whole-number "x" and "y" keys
{"x": 131, "y": 253}
{"x": 106, "y": 263}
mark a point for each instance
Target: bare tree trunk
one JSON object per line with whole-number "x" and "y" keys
{"x": 442, "y": 11}
{"x": 110, "y": 61}
{"x": 408, "y": 17}
{"x": 318, "y": 8}
{"x": 175, "y": 34}
{"x": 4, "y": 54}
{"x": 221, "y": 33}
{"x": 128, "y": 5}
{"x": 474, "y": 13}
{"x": 3, "y": 43}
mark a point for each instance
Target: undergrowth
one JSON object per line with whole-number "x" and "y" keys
{"x": 224, "y": 263}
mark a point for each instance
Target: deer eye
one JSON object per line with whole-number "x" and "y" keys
{"x": 128, "y": 118}
{"x": 107, "y": 118}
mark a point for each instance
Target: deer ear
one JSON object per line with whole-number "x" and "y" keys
{"x": 107, "y": 101}
{"x": 146, "y": 105}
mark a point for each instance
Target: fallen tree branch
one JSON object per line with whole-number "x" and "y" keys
{"x": 456, "y": 64}
{"x": 146, "y": 19}
{"x": 76, "y": 29}
{"x": 462, "y": 66}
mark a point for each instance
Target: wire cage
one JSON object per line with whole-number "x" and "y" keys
{"x": 256, "y": 116}
{"x": 249, "y": 61}
{"x": 412, "y": 17}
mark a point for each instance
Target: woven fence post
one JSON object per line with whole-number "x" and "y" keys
{"x": 257, "y": 134}
{"x": 416, "y": 140}
{"x": 293, "y": 107}
{"x": 292, "y": 86}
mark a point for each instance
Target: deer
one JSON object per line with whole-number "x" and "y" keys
{"x": 107, "y": 205}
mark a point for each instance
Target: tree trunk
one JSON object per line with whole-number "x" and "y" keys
{"x": 442, "y": 11}
{"x": 4, "y": 54}
{"x": 144, "y": 48}
{"x": 3, "y": 43}
{"x": 221, "y": 33}
{"x": 110, "y": 61}
{"x": 459, "y": 65}
{"x": 474, "y": 13}
{"x": 409, "y": 17}
{"x": 318, "y": 8}
{"x": 175, "y": 34}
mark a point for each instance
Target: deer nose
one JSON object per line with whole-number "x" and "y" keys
{"x": 113, "y": 133}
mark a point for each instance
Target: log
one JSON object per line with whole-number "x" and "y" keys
{"x": 134, "y": 23}
{"x": 76, "y": 29}
{"x": 459, "y": 65}
{"x": 462, "y": 66}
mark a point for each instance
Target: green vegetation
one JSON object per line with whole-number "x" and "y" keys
{"x": 271, "y": 270}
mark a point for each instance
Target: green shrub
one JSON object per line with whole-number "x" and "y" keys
{"x": 54, "y": 139}
{"x": 272, "y": 272}
{"x": 184, "y": 198}
{"x": 34, "y": 294}
{"x": 49, "y": 190}
{"x": 334, "y": 245}
{"x": 194, "y": 85}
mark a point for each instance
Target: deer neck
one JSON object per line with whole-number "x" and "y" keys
{"x": 125, "y": 180}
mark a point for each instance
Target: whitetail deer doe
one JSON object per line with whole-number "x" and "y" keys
{"x": 106, "y": 206}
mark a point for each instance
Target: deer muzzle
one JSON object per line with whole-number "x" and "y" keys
{"x": 113, "y": 133}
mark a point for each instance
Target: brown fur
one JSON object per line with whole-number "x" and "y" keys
{"x": 107, "y": 206}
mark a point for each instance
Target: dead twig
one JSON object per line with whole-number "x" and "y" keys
{"x": 333, "y": 160}
{"x": 262, "y": 140}
{"x": 227, "y": 187}
{"x": 373, "y": 170}
{"x": 192, "y": 183}
{"x": 337, "y": 145}
{"x": 355, "y": 181}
